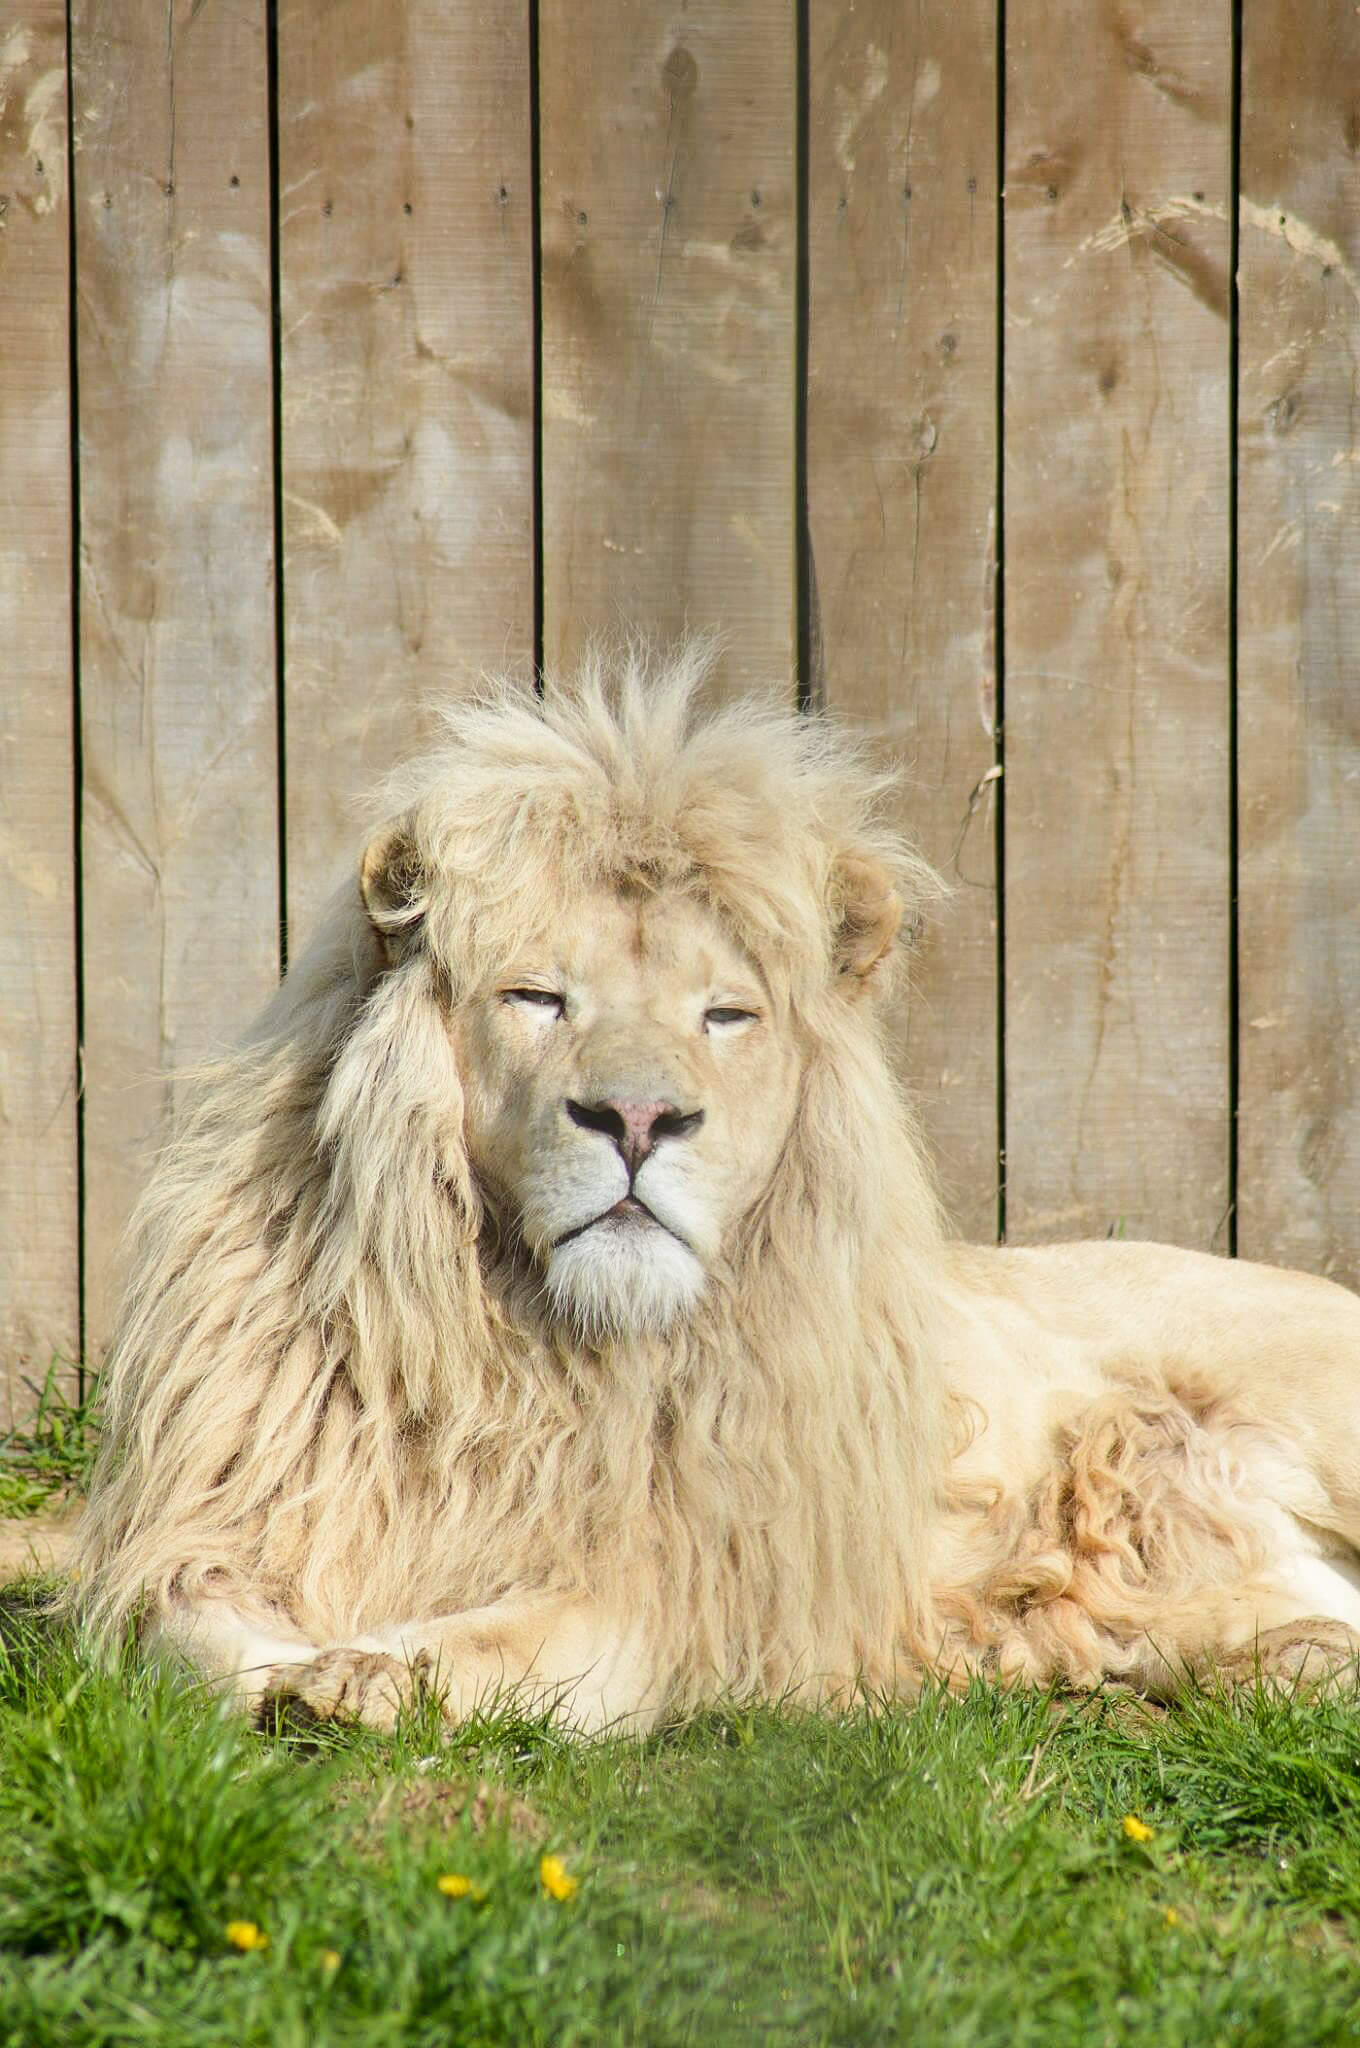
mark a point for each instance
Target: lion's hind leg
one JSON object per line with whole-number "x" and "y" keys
{"x": 1297, "y": 1631}
{"x": 1311, "y": 1655}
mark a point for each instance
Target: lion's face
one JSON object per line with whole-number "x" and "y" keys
{"x": 629, "y": 1084}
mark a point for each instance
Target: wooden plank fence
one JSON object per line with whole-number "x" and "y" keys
{"x": 988, "y": 376}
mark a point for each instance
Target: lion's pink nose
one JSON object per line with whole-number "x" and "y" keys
{"x": 635, "y": 1127}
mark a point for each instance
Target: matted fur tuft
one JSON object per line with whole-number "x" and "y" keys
{"x": 316, "y": 1397}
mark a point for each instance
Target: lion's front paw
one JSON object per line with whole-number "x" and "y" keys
{"x": 349, "y": 1685}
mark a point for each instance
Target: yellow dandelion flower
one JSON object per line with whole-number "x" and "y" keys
{"x": 1137, "y": 1830}
{"x": 330, "y": 1960}
{"x": 245, "y": 1935}
{"x": 455, "y": 1886}
{"x": 1170, "y": 1917}
{"x": 555, "y": 1879}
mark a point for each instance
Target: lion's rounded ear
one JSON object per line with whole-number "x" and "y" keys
{"x": 393, "y": 884}
{"x": 867, "y": 911}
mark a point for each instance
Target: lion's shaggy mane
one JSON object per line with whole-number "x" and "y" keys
{"x": 322, "y": 1394}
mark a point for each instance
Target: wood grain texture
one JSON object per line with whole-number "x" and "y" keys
{"x": 39, "y": 1226}
{"x": 176, "y": 604}
{"x": 667, "y": 153}
{"x": 406, "y": 212}
{"x": 1116, "y": 702}
{"x": 1299, "y": 649}
{"x": 901, "y": 489}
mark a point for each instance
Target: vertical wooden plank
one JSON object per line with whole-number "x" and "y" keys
{"x": 1116, "y": 706}
{"x": 901, "y": 489}
{"x": 1299, "y": 638}
{"x": 39, "y": 1281}
{"x": 176, "y": 612}
{"x": 668, "y": 174}
{"x": 406, "y": 228}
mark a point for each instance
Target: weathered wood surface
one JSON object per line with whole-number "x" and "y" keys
{"x": 39, "y": 1223}
{"x": 901, "y": 490}
{"x": 176, "y": 585}
{"x": 1299, "y": 649}
{"x": 669, "y": 406}
{"x": 669, "y": 256}
{"x": 1116, "y": 700}
{"x": 407, "y": 296}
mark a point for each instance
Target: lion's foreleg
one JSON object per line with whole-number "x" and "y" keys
{"x": 546, "y": 1653}
{"x": 242, "y": 1646}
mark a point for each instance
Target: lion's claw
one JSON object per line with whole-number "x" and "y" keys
{"x": 366, "y": 1686}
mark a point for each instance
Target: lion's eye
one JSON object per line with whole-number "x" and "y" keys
{"x": 535, "y": 999}
{"x": 724, "y": 1015}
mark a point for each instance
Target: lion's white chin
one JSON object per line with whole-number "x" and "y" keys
{"x": 618, "y": 1280}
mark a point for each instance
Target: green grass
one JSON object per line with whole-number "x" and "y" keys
{"x": 52, "y": 1454}
{"x": 957, "y": 1874}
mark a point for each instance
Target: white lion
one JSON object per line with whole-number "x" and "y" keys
{"x": 550, "y": 1296}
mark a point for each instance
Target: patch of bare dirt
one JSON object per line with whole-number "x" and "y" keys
{"x": 448, "y": 1802}
{"x": 34, "y": 1544}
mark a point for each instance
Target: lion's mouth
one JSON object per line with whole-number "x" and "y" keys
{"x": 629, "y": 1210}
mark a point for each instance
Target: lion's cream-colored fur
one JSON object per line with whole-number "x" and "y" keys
{"x": 351, "y": 1429}
{"x": 320, "y": 1399}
